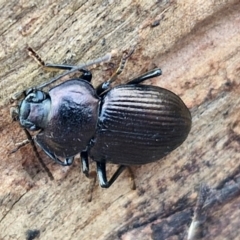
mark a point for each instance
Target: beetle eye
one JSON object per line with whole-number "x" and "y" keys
{"x": 35, "y": 96}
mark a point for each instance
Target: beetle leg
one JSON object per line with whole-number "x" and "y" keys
{"x": 102, "y": 177}
{"x": 66, "y": 162}
{"x": 85, "y": 164}
{"x": 31, "y": 141}
{"x": 151, "y": 74}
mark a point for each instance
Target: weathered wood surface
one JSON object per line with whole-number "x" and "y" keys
{"x": 197, "y": 46}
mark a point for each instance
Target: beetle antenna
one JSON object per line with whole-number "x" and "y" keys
{"x": 121, "y": 67}
{"x": 29, "y": 137}
{"x": 105, "y": 58}
{"x": 36, "y": 57}
{"x": 71, "y": 69}
{"x": 105, "y": 86}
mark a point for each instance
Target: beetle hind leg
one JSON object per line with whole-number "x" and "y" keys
{"x": 102, "y": 176}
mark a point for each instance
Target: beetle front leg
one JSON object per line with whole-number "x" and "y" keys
{"x": 32, "y": 142}
{"x": 66, "y": 162}
{"x": 102, "y": 176}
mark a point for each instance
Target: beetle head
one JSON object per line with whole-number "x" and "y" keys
{"x": 33, "y": 110}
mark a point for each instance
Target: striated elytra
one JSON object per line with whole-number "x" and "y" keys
{"x": 125, "y": 125}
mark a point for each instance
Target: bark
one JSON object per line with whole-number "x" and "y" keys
{"x": 196, "y": 44}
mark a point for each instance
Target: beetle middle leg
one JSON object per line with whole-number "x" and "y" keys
{"x": 148, "y": 75}
{"x": 102, "y": 176}
{"x": 101, "y": 172}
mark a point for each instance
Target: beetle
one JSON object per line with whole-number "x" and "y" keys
{"x": 126, "y": 125}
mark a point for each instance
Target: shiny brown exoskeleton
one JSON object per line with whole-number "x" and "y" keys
{"x": 125, "y": 125}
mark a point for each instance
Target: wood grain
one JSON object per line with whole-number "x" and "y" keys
{"x": 197, "y": 46}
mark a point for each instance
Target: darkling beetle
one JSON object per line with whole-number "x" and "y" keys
{"x": 126, "y": 125}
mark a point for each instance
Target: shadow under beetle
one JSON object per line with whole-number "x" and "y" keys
{"x": 125, "y": 125}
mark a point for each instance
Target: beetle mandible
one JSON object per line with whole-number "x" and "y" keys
{"x": 125, "y": 125}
